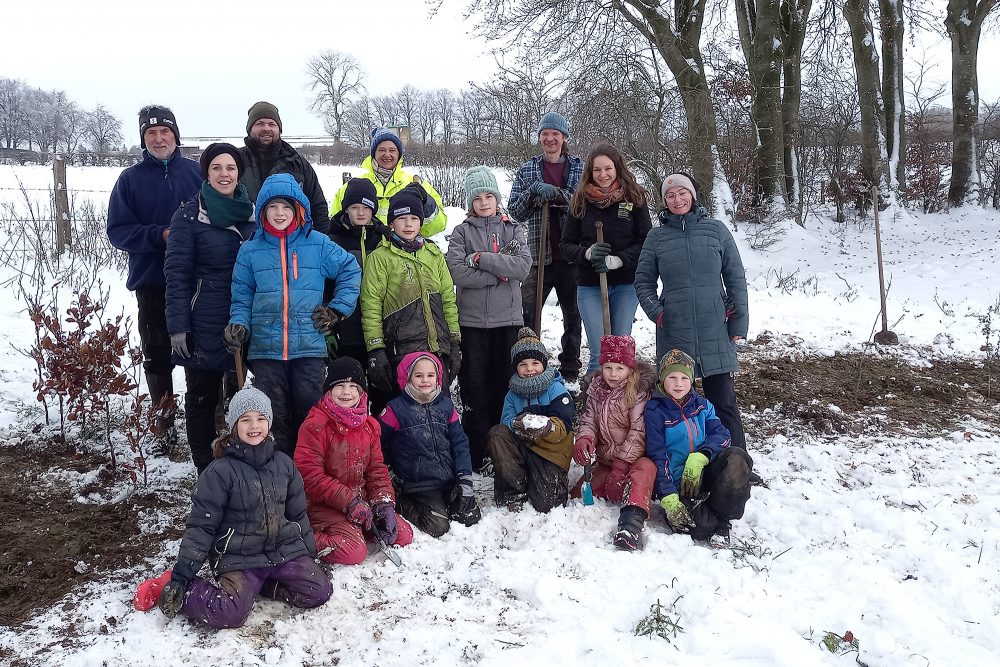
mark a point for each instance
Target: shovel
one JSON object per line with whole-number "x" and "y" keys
{"x": 388, "y": 551}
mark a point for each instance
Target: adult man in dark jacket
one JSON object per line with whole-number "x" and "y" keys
{"x": 142, "y": 203}
{"x": 266, "y": 154}
{"x": 550, "y": 178}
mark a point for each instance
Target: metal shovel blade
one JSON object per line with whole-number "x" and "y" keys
{"x": 389, "y": 552}
{"x": 586, "y": 491}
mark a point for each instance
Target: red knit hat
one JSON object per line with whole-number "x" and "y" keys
{"x": 617, "y": 350}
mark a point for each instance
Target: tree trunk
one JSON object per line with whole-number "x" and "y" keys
{"x": 893, "y": 29}
{"x": 760, "y": 37}
{"x": 965, "y": 23}
{"x": 794, "y": 17}
{"x": 866, "y": 67}
{"x": 678, "y": 41}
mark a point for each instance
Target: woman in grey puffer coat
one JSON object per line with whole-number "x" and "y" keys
{"x": 488, "y": 257}
{"x": 703, "y": 307}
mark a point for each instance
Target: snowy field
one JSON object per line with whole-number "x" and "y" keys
{"x": 894, "y": 538}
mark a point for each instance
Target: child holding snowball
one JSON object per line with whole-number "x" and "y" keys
{"x": 532, "y": 446}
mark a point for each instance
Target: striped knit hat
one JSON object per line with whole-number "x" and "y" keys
{"x": 528, "y": 346}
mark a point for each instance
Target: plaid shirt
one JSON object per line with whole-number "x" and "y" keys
{"x": 523, "y": 207}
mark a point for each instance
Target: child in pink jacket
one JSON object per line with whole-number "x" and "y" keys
{"x": 613, "y": 433}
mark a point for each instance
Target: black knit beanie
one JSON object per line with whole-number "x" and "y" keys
{"x": 345, "y": 369}
{"x": 215, "y": 150}
{"x": 155, "y": 115}
{"x": 360, "y": 191}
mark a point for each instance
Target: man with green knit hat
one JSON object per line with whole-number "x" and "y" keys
{"x": 266, "y": 153}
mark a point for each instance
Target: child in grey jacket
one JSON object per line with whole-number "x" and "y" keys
{"x": 489, "y": 259}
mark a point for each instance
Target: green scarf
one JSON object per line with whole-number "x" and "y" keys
{"x": 226, "y": 211}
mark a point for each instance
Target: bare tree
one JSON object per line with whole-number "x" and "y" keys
{"x": 42, "y": 118}
{"x": 892, "y": 29}
{"x": 964, "y": 21}
{"x": 445, "y": 107}
{"x": 989, "y": 153}
{"x": 927, "y": 146}
{"x": 103, "y": 130}
{"x": 72, "y": 123}
{"x": 426, "y": 116}
{"x": 333, "y": 78}
{"x": 359, "y": 119}
{"x": 794, "y": 21}
{"x": 13, "y": 112}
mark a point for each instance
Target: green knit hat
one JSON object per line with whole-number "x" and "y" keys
{"x": 477, "y": 181}
{"x": 676, "y": 361}
{"x": 528, "y": 346}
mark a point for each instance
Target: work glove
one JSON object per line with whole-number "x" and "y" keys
{"x": 233, "y": 336}
{"x": 359, "y": 513}
{"x": 455, "y": 356}
{"x": 614, "y": 486}
{"x": 380, "y": 370}
{"x": 694, "y": 466}
{"x": 598, "y": 250}
{"x": 543, "y": 191}
{"x": 172, "y": 597}
{"x": 584, "y": 450}
{"x": 179, "y": 345}
{"x": 472, "y": 261}
{"x": 325, "y": 319}
{"x": 464, "y": 508}
{"x": 677, "y": 515}
{"x": 384, "y": 522}
{"x": 613, "y": 262}
{"x": 511, "y": 248}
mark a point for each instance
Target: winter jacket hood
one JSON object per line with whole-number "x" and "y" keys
{"x": 675, "y": 430}
{"x": 405, "y": 366}
{"x": 282, "y": 185}
{"x": 248, "y": 510}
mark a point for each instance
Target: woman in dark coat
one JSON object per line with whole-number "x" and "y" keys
{"x": 205, "y": 234}
{"x": 608, "y": 195}
{"x": 703, "y": 307}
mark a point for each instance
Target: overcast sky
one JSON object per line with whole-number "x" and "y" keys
{"x": 211, "y": 60}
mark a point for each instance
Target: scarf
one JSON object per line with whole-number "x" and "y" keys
{"x": 279, "y": 233}
{"x": 532, "y": 387}
{"x": 413, "y": 245}
{"x": 223, "y": 211}
{"x": 603, "y": 198}
{"x": 348, "y": 417}
{"x": 419, "y": 396}
{"x": 383, "y": 175}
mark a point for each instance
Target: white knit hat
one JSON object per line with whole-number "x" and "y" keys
{"x": 678, "y": 181}
{"x": 245, "y": 400}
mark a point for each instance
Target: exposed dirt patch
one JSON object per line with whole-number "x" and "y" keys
{"x": 47, "y": 537}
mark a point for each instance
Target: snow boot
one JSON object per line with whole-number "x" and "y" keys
{"x": 148, "y": 593}
{"x": 630, "y": 523}
{"x": 161, "y": 387}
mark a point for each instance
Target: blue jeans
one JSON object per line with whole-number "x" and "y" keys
{"x": 622, "y": 302}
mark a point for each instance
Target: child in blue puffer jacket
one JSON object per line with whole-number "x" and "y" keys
{"x": 701, "y": 481}
{"x": 278, "y": 303}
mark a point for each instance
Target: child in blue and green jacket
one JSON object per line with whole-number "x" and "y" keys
{"x": 701, "y": 481}
{"x": 278, "y": 303}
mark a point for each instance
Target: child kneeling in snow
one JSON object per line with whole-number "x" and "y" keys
{"x": 612, "y": 430}
{"x": 427, "y": 450}
{"x": 532, "y": 446}
{"x": 701, "y": 481}
{"x": 347, "y": 484}
{"x": 248, "y": 519}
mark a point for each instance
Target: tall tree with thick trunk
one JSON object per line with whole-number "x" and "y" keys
{"x": 759, "y": 26}
{"x": 964, "y": 22}
{"x": 892, "y": 29}
{"x": 794, "y": 18}
{"x": 866, "y": 67}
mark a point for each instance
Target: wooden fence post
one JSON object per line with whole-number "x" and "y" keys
{"x": 64, "y": 229}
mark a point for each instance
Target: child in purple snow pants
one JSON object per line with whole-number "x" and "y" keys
{"x": 254, "y": 546}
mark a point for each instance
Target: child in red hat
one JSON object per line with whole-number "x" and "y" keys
{"x": 613, "y": 433}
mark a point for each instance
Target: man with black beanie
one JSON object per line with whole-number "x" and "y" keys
{"x": 266, "y": 154}
{"x": 142, "y": 202}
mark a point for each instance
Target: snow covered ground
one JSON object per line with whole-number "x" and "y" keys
{"x": 894, "y": 538}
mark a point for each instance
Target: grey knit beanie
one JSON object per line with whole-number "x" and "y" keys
{"x": 245, "y": 400}
{"x": 553, "y": 120}
{"x": 477, "y": 181}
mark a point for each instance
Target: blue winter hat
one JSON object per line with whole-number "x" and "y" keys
{"x": 554, "y": 120}
{"x": 380, "y": 134}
